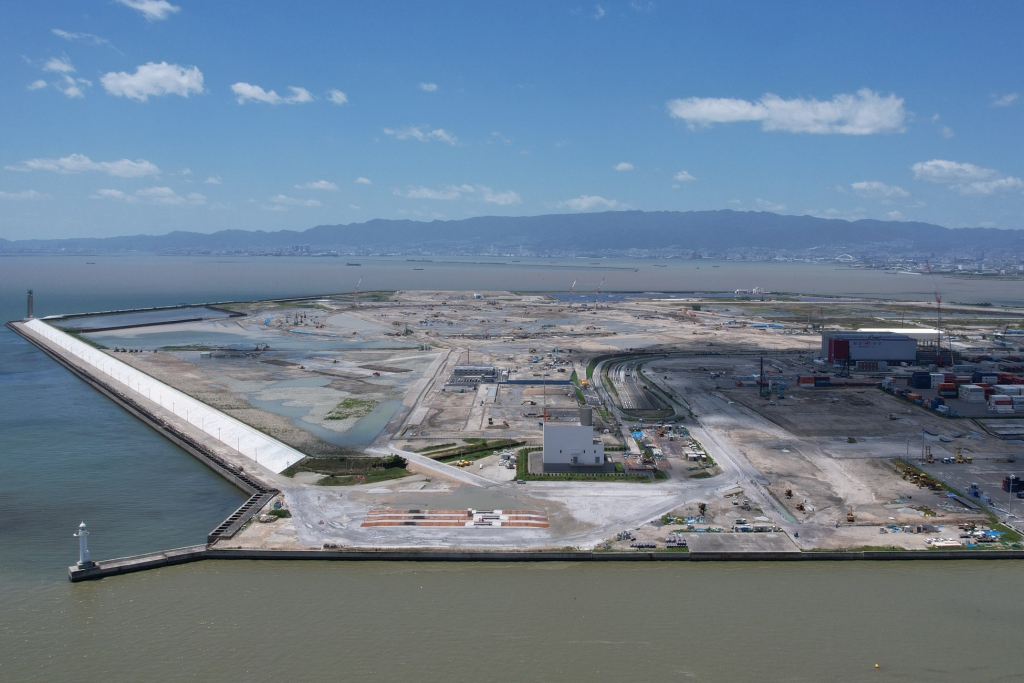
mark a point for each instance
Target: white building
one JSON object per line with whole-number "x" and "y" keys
{"x": 570, "y": 446}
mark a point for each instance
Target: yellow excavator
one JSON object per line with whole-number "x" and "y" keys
{"x": 849, "y": 516}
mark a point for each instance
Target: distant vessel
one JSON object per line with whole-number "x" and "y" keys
{"x": 90, "y": 263}
{"x": 353, "y": 264}
{"x": 417, "y": 269}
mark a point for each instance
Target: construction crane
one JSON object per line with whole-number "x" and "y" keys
{"x": 355, "y": 297}
{"x": 597, "y": 292}
{"x": 571, "y": 287}
{"x": 938, "y": 315}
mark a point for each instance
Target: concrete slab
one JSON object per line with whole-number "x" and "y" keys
{"x": 741, "y": 543}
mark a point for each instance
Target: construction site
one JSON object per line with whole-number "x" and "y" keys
{"x": 444, "y": 419}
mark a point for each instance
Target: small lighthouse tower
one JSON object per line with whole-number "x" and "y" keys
{"x": 83, "y": 546}
{"x": 31, "y": 306}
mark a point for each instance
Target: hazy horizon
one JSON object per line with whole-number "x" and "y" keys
{"x": 147, "y": 117}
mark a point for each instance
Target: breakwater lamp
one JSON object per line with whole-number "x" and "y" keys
{"x": 83, "y": 547}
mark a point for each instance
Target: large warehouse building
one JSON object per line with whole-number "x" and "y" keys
{"x": 880, "y": 346}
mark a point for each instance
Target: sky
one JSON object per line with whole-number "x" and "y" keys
{"x": 121, "y": 117}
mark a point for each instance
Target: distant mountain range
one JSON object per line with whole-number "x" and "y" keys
{"x": 669, "y": 233}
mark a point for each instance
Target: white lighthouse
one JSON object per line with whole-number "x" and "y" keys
{"x": 83, "y": 547}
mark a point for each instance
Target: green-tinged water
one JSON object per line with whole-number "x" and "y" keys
{"x": 449, "y": 623}
{"x": 68, "y": 454}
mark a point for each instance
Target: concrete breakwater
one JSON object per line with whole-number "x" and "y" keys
{"x": 259, "y": 492}
{"x": 189, "y": 554}
{"x": 248, "y": 441}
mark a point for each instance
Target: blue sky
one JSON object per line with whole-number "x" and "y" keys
{"x": 147, "y": 116}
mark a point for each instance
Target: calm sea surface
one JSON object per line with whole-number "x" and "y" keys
{"x": 67, "y": 454}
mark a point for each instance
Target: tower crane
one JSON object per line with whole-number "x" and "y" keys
{"x": 938, "y": 316}
{"x": 355, "y": 297}
{"x": 597, "y": 292}
{"x": 571, "y": 287}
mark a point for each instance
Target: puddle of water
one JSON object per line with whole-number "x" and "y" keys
{"x": 277, "y": 407}
{"x": 142, "y": 318}
{"x": 305, "y": 382}
{"x": 141, "y": 338}
{"x": 365, "y": 430}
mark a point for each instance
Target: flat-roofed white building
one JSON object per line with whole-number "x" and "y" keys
{"x": 568, "y": 447}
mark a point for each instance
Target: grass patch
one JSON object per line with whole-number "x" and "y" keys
{"x": 370, "y": 477}
{"x": 476, "y": 449}
{"x": 436, "y": 447}
{"x": 280, "y": 513}
{"x": 345, "y": 465}
{"x": 590, "y": 369}
{"x": 703, "y": 474}
{"x": 352, "y": 407}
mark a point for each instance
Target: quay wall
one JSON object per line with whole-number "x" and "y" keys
{"x": 167, "y": 558}
{"x": 237, "y": 435}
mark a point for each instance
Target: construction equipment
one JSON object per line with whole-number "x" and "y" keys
{"x": 850, "y": 439}
{"x": 789, "y": 493}
{"x": 849, "y": 516}
{"x": 928, "y": 455}
{"x": 938, "y": 318}
{"x": 800, "y": 506}
{"x": 702, "y": 507}
{"x": 959, "y": 455}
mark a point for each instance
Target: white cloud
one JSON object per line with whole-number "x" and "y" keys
{"x": 598, "y": 11}
{"x": 67, "y": 84}
{"x": 363, "y": 181}
{"x": 1004, "y": 100}
{"x": 317, "y": 185}
{"x": 354, "y": 206}
{"x": 154, "y": 79}
{"x": 428, "y": 87}
{"x": 589, "y": 202}
{"x": 116, "y": 195}
{"x": 946, "y": 132}
{"x": 214, "y": 180}
{"x": 864, "y": 113}
{"x": 24, "y": 195}
{"x": 422, "y": 133}
{"x": 624, "y": 166}
{"x": 769, "y": 206}
{"x": 160, "y": 195}
{"x": 154, "y": 195}
{"x": 71, "y": 87}
{"x": 450, "y": 192}
{"x": 282, "y": 199}
{"x": 60, "y": 65}
{"x": 153, "y": 10}
{"x": 337, "y": 96}
{"x": 683, "y": 177}
{"x": 255, "y": 93}
{"x": 84, "y": 37}
{"x": 501, "y": 198}
{"x": 874, "y": 188}
{"x": 967, "y": 179}
{"x": 895, "y": 215}
{"x": 78, "y": 163}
